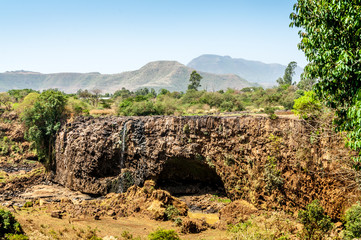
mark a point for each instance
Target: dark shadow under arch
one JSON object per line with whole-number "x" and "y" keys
{"x": 189, "y": 176}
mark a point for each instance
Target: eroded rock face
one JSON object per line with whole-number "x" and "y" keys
{"x": 270, "y": 163}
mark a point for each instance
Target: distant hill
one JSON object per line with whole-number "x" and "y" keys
{"x": 253, "y": 71}
{"x": 161, "y": 74}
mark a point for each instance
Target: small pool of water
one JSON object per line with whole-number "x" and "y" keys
{"x": 211, "y": 218}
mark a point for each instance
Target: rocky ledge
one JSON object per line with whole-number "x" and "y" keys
{"x": 282, "y": 163}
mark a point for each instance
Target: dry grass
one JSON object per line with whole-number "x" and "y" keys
{"x": 102, "y": 112}
{"x": 269, "y": 226}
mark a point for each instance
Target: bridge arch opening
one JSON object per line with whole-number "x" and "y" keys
{"x": 189, "y": 176}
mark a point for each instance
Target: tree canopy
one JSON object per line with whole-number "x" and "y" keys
{"x": 195, "y": 81}
{"x": 288, "y": 75}
{"x": 331, "y": 40}
{"x": 42, "y": 121}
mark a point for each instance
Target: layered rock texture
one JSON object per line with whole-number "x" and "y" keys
{"x": 283, "y": 163}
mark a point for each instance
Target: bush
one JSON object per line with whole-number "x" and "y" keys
{"x": 171, "y": 212}
{"x": 16, "y": 237}
{"x": 353, "y": 222}
{"x": 138, "y": 106}
{"x": 316, "y": 223}
{"x": 162, "y": 234}
{"x": 27, "y": 103}
{"x": 270, "y": 111}
{"x": 77, "y": 106}
{"x": 8, "y": 224}
{"x": 307, "y": 106}
{"x": 272, "y": 175}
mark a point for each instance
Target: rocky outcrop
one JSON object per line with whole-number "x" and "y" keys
{"x": 282, "y": 163}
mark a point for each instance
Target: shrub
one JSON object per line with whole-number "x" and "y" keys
{"x": 307, "y": 106}
{"x": 137, "y": 107}
{"x": 272, "y": 175}
{"x": 16, "y": 237}
{"x": 162, "y": 234}
{"x": 192, "y": 96}
{"x": 171, "y": 212}
{"x": 127, "y": 180}
{"x": 27, "y": 103}
{"x": 8, "y": 224}
{"x": 186, "y": 129}
{"x": 226, "y": 106}
{"x": 126, "y": 235}
{"x": 353, "y": 222}
{"x": 28, "y": 204}
{"x": 271, "y": 112}
{"x": 5, "y": 146}
{"x": 77, "y": 106}
{"x": 316, "y": 223}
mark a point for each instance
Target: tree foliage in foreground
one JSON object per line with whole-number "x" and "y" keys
{"x": 42, "y": 121}
{"x": 331, "y": 41}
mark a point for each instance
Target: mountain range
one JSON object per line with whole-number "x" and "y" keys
{"x": 171, "y": 75}
{"x": 254, "y": 71}
{"x": 218, "y": 72}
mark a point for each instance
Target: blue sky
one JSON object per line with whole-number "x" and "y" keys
{"x": 110, "y": 36}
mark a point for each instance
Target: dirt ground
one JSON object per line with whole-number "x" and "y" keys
{"x": 38, "y": 224}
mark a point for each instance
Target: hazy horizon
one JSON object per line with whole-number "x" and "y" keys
{"x": 117, "y": 36}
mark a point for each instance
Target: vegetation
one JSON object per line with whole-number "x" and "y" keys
{"x": 353, "y": 222}
{"x": 269, "y": 226}
{"x": 203, "y": 102}
{"x": 316, "y": 223}
{"x": 8, "y": 224}
{"x": 43, "y": 121}
{"x": 195, "y": 81}
{"x": 6, "y": 100}
{"x": 307, "y": 106}
{"x": 272, "y": 175}
{"x": 171, "y": 212}
{"x": 289, "y": 72}
{"x": 330, "y": 39}
{"x": 162, "y": 234}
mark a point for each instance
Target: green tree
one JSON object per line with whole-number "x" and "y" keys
{"x": 195, "y": 81}
{"x": 43, "y": 121}
{"x": 123, "y": 93}
{"x": 331, "y": 40}
{"x": 315, "y": 222}
{"x": 288, "y": 75}
{"x": 305, "y": 83}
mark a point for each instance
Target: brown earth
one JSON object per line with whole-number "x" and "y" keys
{"x": 279, "y": 164}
